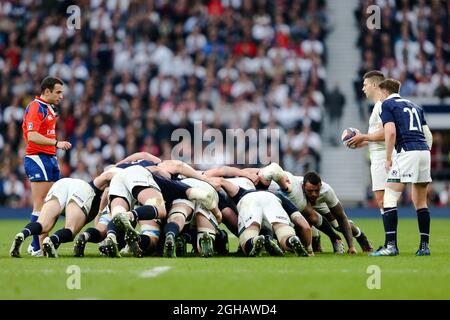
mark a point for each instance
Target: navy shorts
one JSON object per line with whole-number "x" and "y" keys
{"x": 41, "y": 167}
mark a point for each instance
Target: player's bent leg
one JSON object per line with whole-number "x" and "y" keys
{"x": 94, "y": 235}
{"x": 46, "y": 221}
{"x": 392, "y": 194}
{"x": 75, "y": 218}
{"x": 419, "y": 197}
{"x": 230, "y": 220}
{"x": 304, "y": 231}
{"x": 153, "y": 197}
{"x": 49, "y": 215}
{"x": 379, "y": 197}
{"x": 288, "y": 240}
{"x": 323, "y": 225}
{"x": 206, "y": 235}
{"x": 178, "y": 215}
{"x": 251, "y": 242}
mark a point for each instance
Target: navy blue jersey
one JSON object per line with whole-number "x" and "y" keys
{"x": 409, "y": 120}
{"x": 287, "y": 204}
{"x": 226, "y": 202}
{"x": 171, "y": 189}
{"x": 241, "y": 193}
{"x": 142, "y": 163}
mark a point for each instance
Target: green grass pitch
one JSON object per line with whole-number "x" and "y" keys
{"x": 325, "y": 276}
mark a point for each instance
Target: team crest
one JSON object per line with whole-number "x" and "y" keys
{"x": 30, "y": 125}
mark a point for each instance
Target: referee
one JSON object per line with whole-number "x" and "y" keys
{"x": 39, "y": 132}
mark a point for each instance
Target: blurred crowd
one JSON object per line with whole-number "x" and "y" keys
{"x": 137, "y": 70}
{"x": 411, "y": 45}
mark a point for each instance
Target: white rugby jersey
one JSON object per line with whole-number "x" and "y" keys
{"x": 376, "y": 124}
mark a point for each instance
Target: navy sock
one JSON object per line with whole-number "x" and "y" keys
{"x": 423, "y": 218}
{"x": 33, "y": 228}
{"x": 144, "y": 241}
{"x": 248, "y": 246}
{"x": 266, "y": 232}
{"x": 145, "y": 213}
{"x": 171, "y": 227}
{"x": 112, "y": 228}
{"x": 390, "y": 222}
{"x": 120, "y": 236}
{"x": 35, "y": 243}
{"x": 94, "y": 235}
{"x": 61, "y": 236}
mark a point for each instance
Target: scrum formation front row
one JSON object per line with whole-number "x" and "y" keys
{"x": 143, "y": 206}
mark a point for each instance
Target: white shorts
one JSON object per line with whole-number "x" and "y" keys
{"x": 378, "y": 170}
{"x": 123, "y": 183}
{"x": 379, "y": 174}
{"x": 76, "y": 190}
{"x": 258, "y": 206}
{"x": 196, "y": 206}
{"x": 411, "y": 167}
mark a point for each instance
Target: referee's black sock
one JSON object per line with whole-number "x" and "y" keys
{"x": 390, "y": 222}
{"x": 423, "y": 218}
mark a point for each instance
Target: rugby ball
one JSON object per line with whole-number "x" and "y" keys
{"x": 347, "y": 134}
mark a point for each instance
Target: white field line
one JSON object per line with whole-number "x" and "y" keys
{"x": 154, "y": 272}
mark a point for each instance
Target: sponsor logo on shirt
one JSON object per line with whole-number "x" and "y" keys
{"x": 50, "y": 132}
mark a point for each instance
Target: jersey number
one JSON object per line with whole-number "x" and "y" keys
{"x": 413, "y": 113}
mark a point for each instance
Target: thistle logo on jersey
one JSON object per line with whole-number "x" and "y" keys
{"x": 347, "y": 134}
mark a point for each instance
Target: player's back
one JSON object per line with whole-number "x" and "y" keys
{"x": 409, "y": 120}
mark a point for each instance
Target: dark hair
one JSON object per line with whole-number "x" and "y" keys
{"x": 375, "y": 75}
{"x": 49, "y": 83}
{"x": 313, "y": 178}
{"x": 390, "y": 85}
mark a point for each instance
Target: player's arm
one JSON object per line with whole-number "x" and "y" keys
{"x": 390, "y": 134}
{"x": 227, "y": 171}
{"x": 338, "y": 212}
{"x": 230, "y": 188}
{"x": 102, "y": 181}
{"x": 360, "y": 138}
{"x": 179, "y": 167}
{"x": 140, "y": 156}
{"x": 103, "y": 204}
{"x": 37, "y": 138}
{"x": 428, "y": 136}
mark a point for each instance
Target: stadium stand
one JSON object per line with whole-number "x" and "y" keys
{"x": 137, "y": 70}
